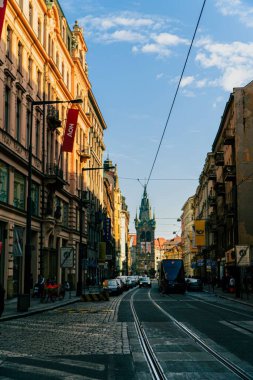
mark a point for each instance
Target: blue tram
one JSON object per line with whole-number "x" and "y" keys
{"x": 171, "y": 276}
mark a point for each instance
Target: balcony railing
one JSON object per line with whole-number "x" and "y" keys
{"x": 211, "y": 175}
{"x": 220, "y": 188}
{"x": 211, "y": 200}
{"x": 219, "y": 158}
{"x": 53, "y": 120}
{"x": 54, "y": 176}
{"x": 84, "y": 154}
{"x": 229, "y": 136}
{"x": 229, "y": 172}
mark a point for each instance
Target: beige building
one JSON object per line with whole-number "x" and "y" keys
{"x": 42, "y": 59}
{"x": 187, "y": 224}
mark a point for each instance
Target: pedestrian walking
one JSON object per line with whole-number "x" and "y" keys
{"x": 2, "y": 292}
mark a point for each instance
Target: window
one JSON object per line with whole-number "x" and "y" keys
{"x": 30, "y": 14}
{"x": 39, "y": 77}
{"x": 8, "y": 42}
{"x": 4, "y": 181}
{"x": 19, "y": 191}
{"x": 7, "y": 108}
{"x": 63, "y": 33}
{"x": 67, "y": 79}
{"x": 57, "y": 59}
{"x": 39, "y": 30}
{"x": 20, "y": 57}
{"x": 65, "y": 214}
{"x": 28, "y": 122}
{"x": 49, "y": 45}
{"x": 37, "y": 142}
{"x": 30, "y": 65}
{"x": 18, "y": 119}
{"x": 35, "y": 199}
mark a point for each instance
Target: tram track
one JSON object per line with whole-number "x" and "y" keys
{"x": 153, "y": 363}
{"x": 235, "y": 369}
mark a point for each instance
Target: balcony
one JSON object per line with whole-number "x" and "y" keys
{"x": 220, "y": 188}
{"x": 212, "y": 222}
{"x": 211, "y": 200}
{"x": 54, "y": 177}
{"x": 85, "y": 154}
{"x": 229, "y": 173}
{"x": 229, "y": 210}
{"x": 211, "y": 175}
{"x": 53, "y": 120}
{"x": 219, "y": 158}
{"x": 229, "y": 136}
{"x": 85, "y": 198}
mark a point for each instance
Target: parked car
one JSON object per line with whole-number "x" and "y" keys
{"x": 112, "y": 287}
{"x": 144, "y": 282}
{"x": 193, "y": 284}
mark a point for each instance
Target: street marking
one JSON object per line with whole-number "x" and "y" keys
{"x": 236, "y": 328}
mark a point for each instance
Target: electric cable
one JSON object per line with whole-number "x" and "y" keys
{"x": 174, "y": 99}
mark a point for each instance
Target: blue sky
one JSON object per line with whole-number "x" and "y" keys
{"x": 136, "y": 52}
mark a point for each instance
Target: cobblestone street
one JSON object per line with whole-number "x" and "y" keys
{"x": 68, "y": 342}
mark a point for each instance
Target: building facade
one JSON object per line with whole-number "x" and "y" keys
{"x": 42, "y": 59}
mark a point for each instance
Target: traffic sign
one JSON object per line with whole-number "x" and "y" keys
{"x": 242, "y": 255}
{"x": 67, "y": 257}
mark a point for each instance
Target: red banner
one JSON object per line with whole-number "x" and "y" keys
{"x": 70, "y": 130}
{"x": 2, "y": 13}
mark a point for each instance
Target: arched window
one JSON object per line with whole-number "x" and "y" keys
{"x": 148, "y": 236}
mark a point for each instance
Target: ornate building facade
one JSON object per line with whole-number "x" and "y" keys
{"x": 145, "y": 230}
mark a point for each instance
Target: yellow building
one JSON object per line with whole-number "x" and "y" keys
{"x": 42, "y": 59}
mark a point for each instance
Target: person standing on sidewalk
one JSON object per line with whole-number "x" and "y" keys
{"x": 2, "y": 292}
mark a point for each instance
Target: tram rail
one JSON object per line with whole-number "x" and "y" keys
{"x": 220, "y": 358}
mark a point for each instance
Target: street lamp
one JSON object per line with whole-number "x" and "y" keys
{"x": 28, "y": 247}
{"x": 82, "y": 257}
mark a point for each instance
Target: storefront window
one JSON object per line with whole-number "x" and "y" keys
{"x": 4, "y": 180}
{"x": 19, "y": 191}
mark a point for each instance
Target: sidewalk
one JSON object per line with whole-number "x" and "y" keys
{"x": 230, "y": 296}
{"x": 10, "y": 306}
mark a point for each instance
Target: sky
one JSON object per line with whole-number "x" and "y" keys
{"x": 136, "y": 53}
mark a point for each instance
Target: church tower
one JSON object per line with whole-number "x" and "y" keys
{"x": 145, "y": 232}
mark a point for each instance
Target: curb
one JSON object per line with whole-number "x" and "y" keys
{"x": 37, "y": 311}
{"x": 230, "y": 299}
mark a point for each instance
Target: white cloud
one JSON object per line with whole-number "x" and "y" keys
{"x": 168, "y": 39}
{"x": 234, "y": 61}
{"x": 188, "y": 94}
{"x": 219, "y": 99}
{"x": 186, "y": 81}
{"x": 124, "y": 35}
{"x": 155, "y": 49}
{"x": 148, "y": 33}
{"x": 160, "y": 75}
{"x": 238, "y": 9}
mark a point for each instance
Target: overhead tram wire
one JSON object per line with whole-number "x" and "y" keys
{"x": 174, "y": 99}
{"x": 159, "y": 179}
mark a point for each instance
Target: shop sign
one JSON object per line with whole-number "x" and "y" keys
{"x": 230, "y": 256}
{"x": 200, "y": 262}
